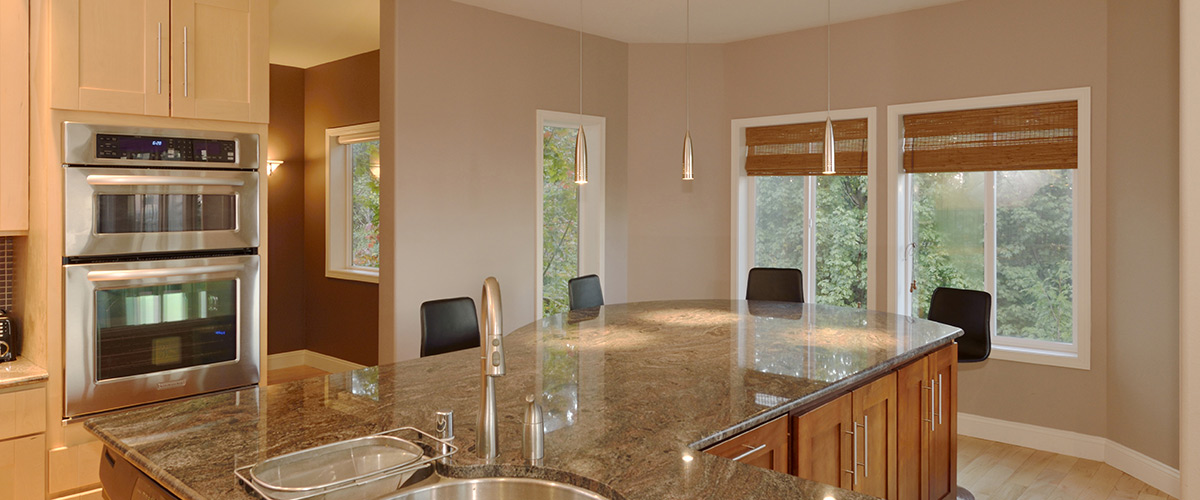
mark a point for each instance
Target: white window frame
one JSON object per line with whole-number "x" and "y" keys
{"x": 1076, "y": 355}
{"x": 743, "y": 201}
{"x": 591, "y": 196}
{"x": 338, "y": 201}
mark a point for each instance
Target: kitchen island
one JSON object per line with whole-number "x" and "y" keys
{"x": 631, "y": 393}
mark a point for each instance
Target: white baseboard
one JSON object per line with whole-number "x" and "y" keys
{"x": 305, "y": 357}
{"x": 1129, "y": 461}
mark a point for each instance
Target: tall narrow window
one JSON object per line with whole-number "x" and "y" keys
{"x": 995, "y": 204}
{"x": 809, "y": 221}
{"x": 352, "y": 202}
{"x": 570, "y": 216}
{"x": 560, "y": 217}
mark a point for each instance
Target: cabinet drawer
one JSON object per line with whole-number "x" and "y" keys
{"x": 22, "y": 412}
{"x": 23, "y": 468}
{"x": 764, "y": 446}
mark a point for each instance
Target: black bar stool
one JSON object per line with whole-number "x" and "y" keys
{"x": 448, "y": 325}
{"x": 774, "y": 283}
{"x": 584, "y": 292}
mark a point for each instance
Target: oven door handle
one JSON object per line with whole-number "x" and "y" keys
{"x": 160, "y": 180}
{"x": 136, "y": 274}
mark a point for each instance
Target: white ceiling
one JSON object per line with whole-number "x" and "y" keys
{"x": 305, "y": 33}
{"x": 713, "y": 21}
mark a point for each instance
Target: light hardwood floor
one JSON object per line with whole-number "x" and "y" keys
{"x": 281, "y": 375}
{"x": 998, "y": 471}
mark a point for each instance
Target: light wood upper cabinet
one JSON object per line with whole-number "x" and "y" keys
{"x": 764, "y": 446}
{"x": 220, "y": 69}
{"x": 132, "y": 56}
{"x": 14, "y": 117}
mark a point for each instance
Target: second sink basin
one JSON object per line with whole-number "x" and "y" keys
{"x": 498, "y": 488}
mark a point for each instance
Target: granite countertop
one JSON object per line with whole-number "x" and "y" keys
{"x": 21, "y": 371}
{"x": 628, "y": 391}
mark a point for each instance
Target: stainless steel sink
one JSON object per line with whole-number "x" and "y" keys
{"x": 498, "y": 488}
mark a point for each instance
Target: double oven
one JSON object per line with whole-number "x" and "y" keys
{"x": 161, "y": 266}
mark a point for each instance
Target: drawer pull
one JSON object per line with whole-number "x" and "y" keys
{"x": 753, "y": 450}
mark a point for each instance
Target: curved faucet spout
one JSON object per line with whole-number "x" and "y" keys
{"x": 491, "y": 363}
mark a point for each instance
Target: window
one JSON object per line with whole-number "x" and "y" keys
{"x": 352, "y": 202}
{"x": 790, "y": 215}
{"x": 570, "y": 216}
{"x": 995, "y": 198}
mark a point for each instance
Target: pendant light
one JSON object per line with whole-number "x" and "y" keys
{"x": 829, "y": 151}
{"x": 687, "y": 97}
{"x": 580, "y": 140}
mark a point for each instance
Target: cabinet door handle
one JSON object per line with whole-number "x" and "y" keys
{"x": 932, "y": 410}
{"x": 853, "y": 432}
{"x": 866, "y": 447}
{"x": 185, "y": 62}
{"x": 939, "y": 395}
{"x": 158, "y": 74}
{"x": 753, "y": 450}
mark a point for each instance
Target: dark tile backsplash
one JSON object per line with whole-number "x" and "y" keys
{"x": 6, "y": 273}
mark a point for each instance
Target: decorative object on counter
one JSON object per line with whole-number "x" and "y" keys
{"x": 584, "y": 292}
{"x": 445, "y": 430}
{"x": 272, "y": 165}
{"x": 448, "y": 325}
{"x": 829, "y": 151}
{"x": 534, "y": 435}
{"x": 775, "y": 283}
{"x": 687, "y": 95}
{"x": 9, "y": 345}
{"x": 580, "y": 139}
{"x": 970, "y": 310}
{"x": 487, "y": 445}
{"x": 365, "y": 467}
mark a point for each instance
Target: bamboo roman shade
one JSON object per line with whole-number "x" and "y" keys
{"x": 798, "y": 148}
{"x": 1030, "y": 137}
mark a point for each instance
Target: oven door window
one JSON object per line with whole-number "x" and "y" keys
{"x": 156, "y": 328}
{"x": 165, "y": 213}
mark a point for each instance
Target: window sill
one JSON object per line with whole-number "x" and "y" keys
{"x": 366, "y": 276}
{"x": 1046, "y": 357}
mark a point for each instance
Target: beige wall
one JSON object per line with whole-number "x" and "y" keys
{"x": 679, "y": 238}
{"x": 467, "y": 84}
{"x": 1143, "y": 225}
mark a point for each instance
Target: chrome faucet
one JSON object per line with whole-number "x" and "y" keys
{"x": 491, "y": 362}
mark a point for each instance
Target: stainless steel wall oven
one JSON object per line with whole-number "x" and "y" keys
{"x": 161, "y": 271}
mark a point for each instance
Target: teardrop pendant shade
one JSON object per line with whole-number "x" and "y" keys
{"x": 829, "y": 167}
{"x": 580, "y": 158}
{"x": 687, "y": 156}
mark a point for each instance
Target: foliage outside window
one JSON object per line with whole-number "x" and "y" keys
{"x": 560, "y": 217}
{"x": 352, "y": 213}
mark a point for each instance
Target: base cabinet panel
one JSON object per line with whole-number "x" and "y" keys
{"x": 764, "y": 446}
{"x": 823, "y": 443}
{"x": 928, "y": 427}
{"x": 23, "y": 468}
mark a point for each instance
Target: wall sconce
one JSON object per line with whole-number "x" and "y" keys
{"x": 272, "y": 165}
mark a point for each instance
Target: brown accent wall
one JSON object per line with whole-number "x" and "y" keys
{"x": 286, "y": 301}
{"x": 341, "y": 317}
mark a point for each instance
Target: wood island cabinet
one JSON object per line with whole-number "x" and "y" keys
{"x": 893, "y": 437}
{"x": 764, "y": 446}
{"x": 182, "y": 58}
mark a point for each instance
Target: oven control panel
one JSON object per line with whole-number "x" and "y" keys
{"x": 138, "y": 147}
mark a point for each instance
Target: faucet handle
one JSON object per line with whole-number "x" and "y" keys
{"x": 533, "y": 439}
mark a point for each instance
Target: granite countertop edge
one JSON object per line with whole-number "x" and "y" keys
{"x": 160, "y": 475}
{"x": 21, "y": 372}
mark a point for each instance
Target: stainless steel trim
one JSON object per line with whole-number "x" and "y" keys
{"x": 138, "y": 274}
{"x": 939, "y": 394}
{"x": 932, "y": 410}
{"x": 86, "y": 395}
{"x": 158, "y": 74}
{"x": 753, "y": 450}
{"x": 445, "y": 430}
{"x": 866, "y": 447}
{"x": 185, "y": 62}
{"x": 854, "y": 452}
{"x": 81, "y": 185}
{"x": 160, "y": 180}
{"x": 79, "y": 146}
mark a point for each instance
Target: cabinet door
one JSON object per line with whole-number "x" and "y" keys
{"x": 875, "y": 422}
{"x": 822, "y": 441}
{"x": 23, "y": 468}
{"x": 14, "y": 116}
{"x": 943, "y": 442}
{"x": 219, "y": 60}
{"x": 111, "y": 55}
{"x": 913, "y": 426}
{"x": 764, "y": 446}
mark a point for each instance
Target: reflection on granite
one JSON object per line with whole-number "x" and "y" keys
{"x": 631, "y": 390}
{"x": 21, "y": 371}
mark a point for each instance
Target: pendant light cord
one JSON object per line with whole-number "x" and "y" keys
{"x": 828, "y": 60}
{"x": 687, "y": 56}
{"x": 581, "y": 64}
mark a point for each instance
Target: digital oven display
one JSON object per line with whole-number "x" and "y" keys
{"x": 136, "y": 147}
